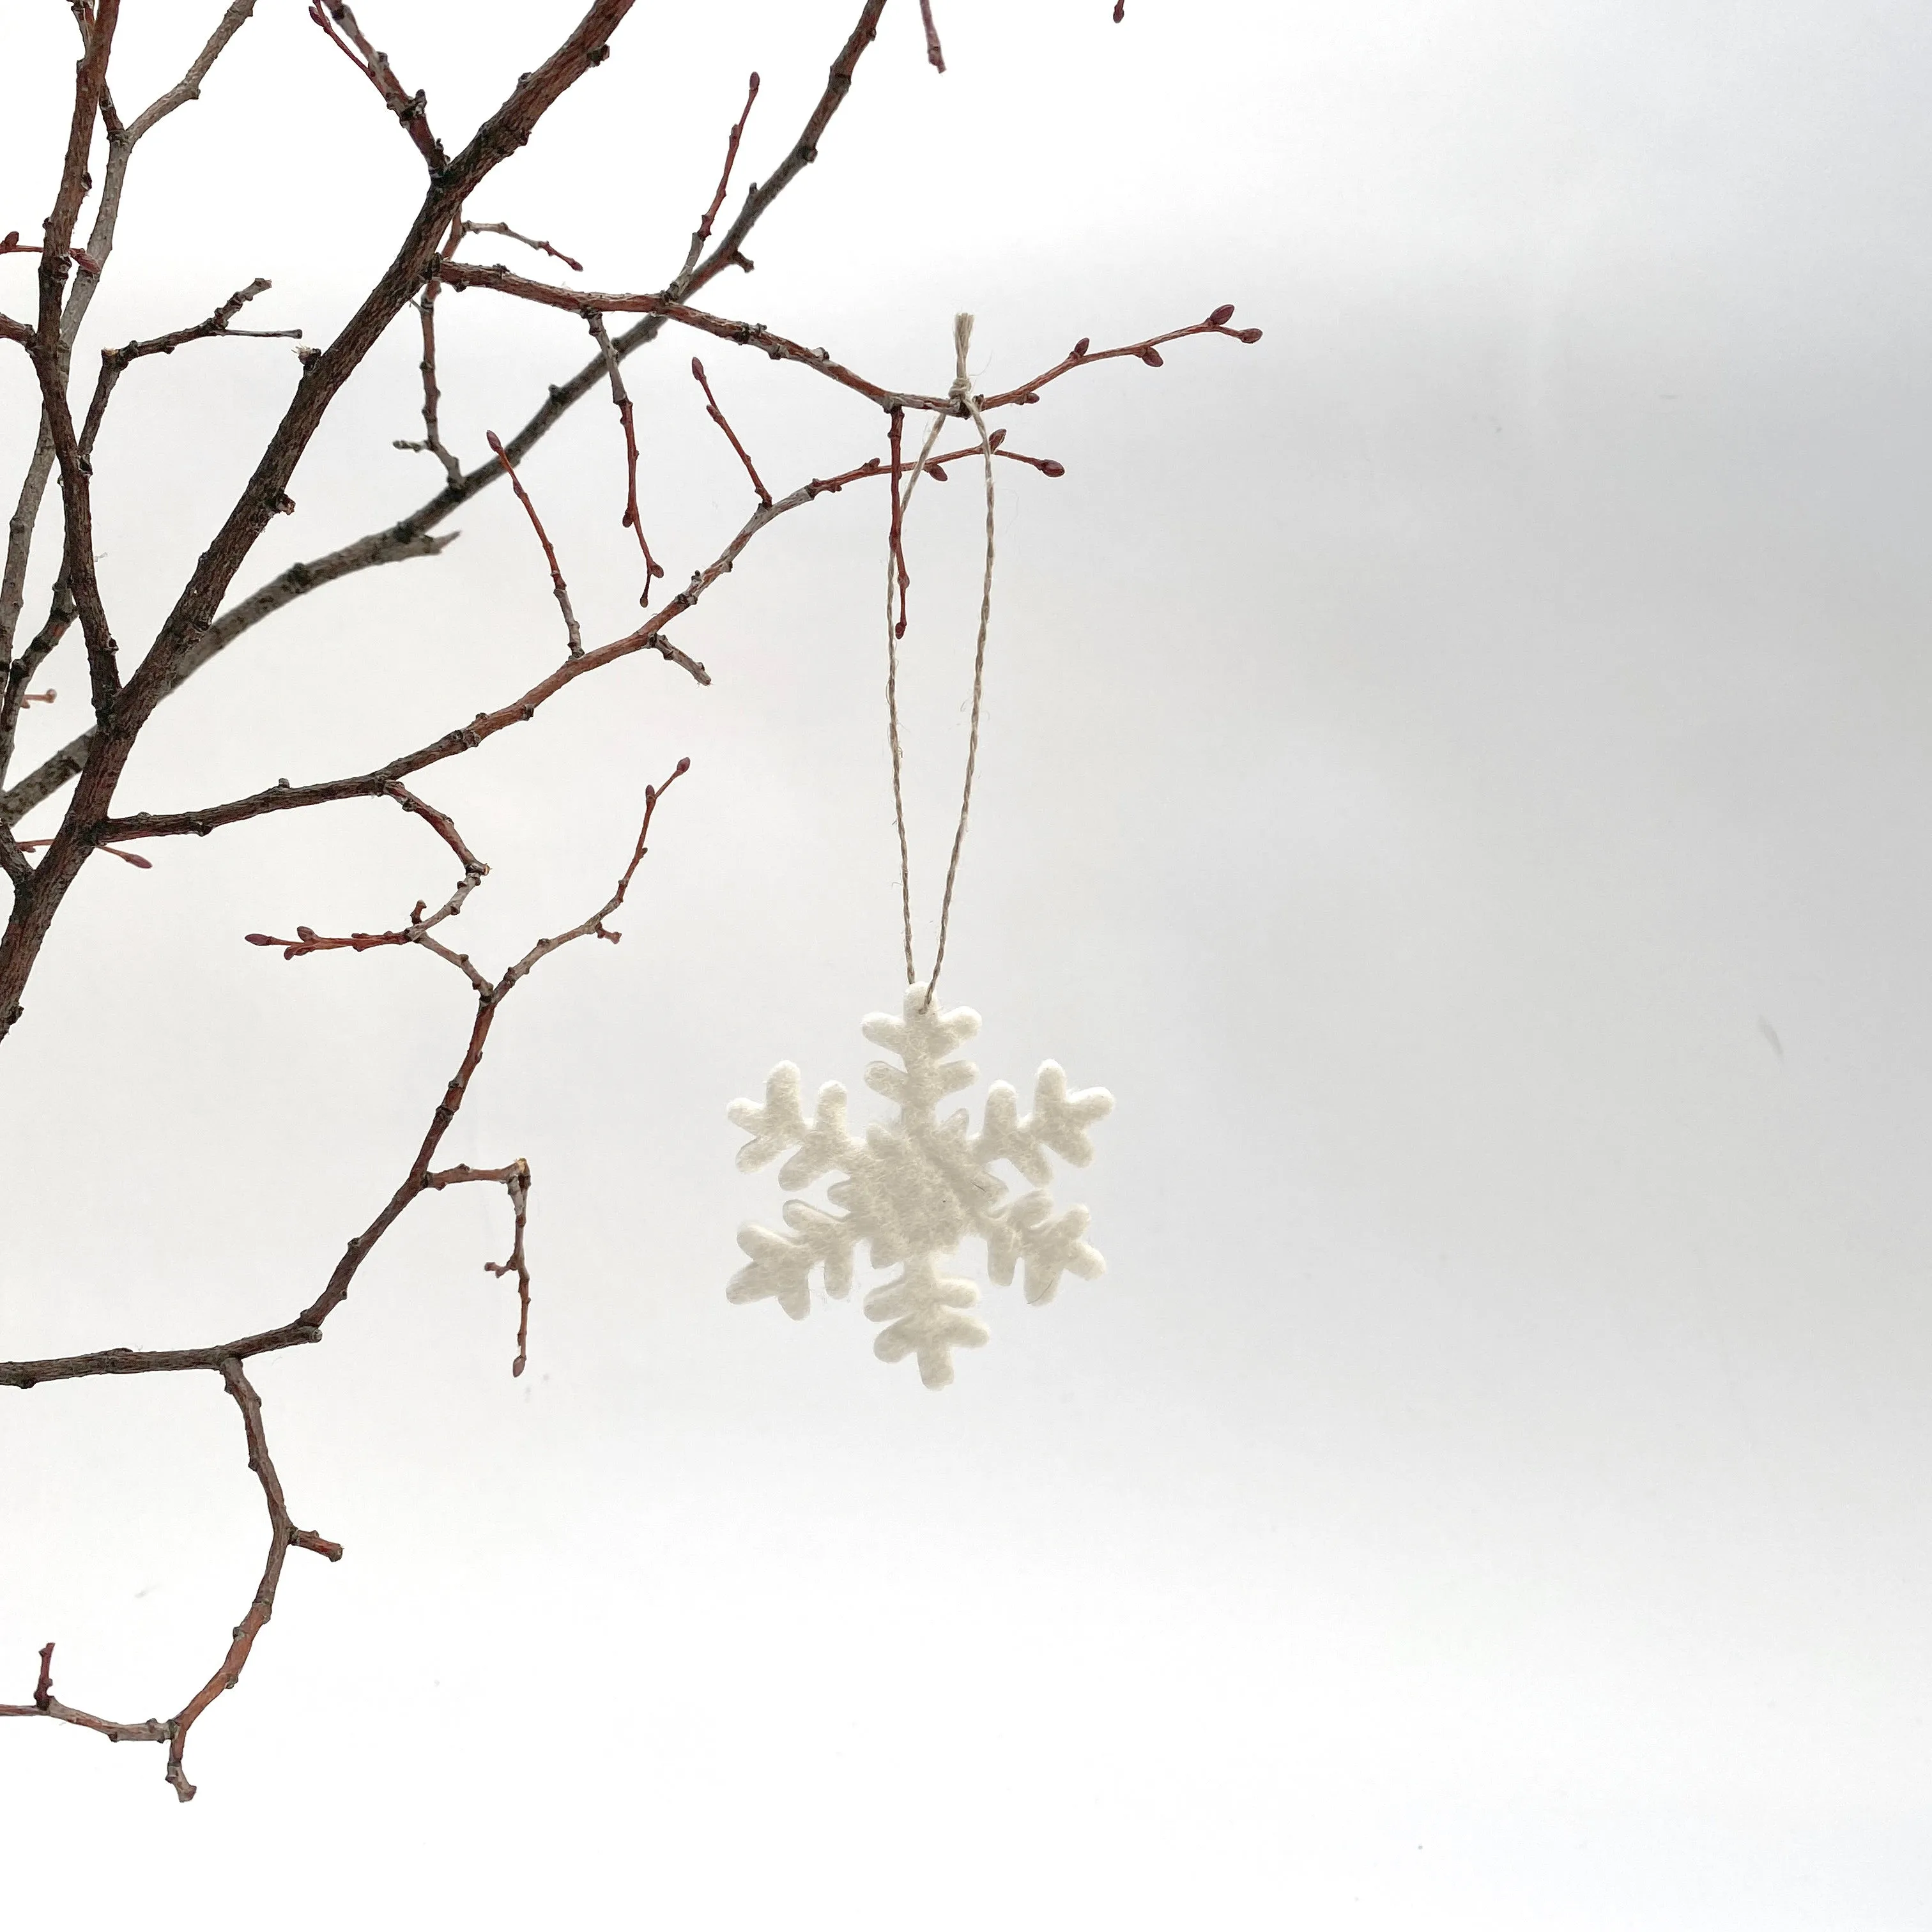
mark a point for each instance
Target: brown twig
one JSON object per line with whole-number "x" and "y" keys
{"x": 198, "y": 626}
{"x": 559, "y": 588}
{"x": 413, "y": 536}
{"x": 122, "y": 141}
{"x": 227, "y": 1358}
{"x": 717, "y": 415}
{"x": 627, "y": 417}
{"x": 432, "y": 443}
{"x": 784, "y": 349}
{"x": 702, "y": 233}
{"x": 132, "y": 858}
{"x": 283, "y": 1535}
{"x": 202, "y": 821}
{"x": 115, "y": 362}
{"x": 729, "y": 250}
{"x": 516, "y": 1181}
{"x": 932, "y": 52}
{"x": 895, "y": 538}
{"x": 529, "y": 241}
{"x": 335, "y": 19}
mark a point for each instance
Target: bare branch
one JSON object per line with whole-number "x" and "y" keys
{"x": 197, "y": 627}
{"x": 702, "y": 233}
{"x": 410, "y": 537}
{"x": 627, "y": 419}
{"x": 516, "y": 1182}
{"x": 335, "y": 19}
{"x": 541, "y": 248}
{"x": 122, "y": 141}
{"x": 729, "y": 250}
{"x": 784, "y": 349}
{"x": 932, "y": 52}
{"x": 432, "y": 442}
{"x": 115, "y": 362}
{"x": 188, "y": 87}
{"x": 559, "y": 588}
{"x": 265, "y": 495}
{"x": 283, "y": 1534}
{"x": 717, "y": 415}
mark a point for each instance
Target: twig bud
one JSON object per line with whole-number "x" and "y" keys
{"x": 1078, "y": 349}
{"x": 1151, "y": 357}
{"x": 1222, "y": 315}
{"x": 1248, "y": 334}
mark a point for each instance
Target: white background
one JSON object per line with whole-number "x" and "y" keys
{"x": 1456, "y": 770}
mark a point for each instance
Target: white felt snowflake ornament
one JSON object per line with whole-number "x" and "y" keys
{"x": 916, "y": 1187}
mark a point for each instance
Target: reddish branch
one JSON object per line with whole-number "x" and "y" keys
{"x": 200, "y": 623}
{"x": 412, "y": 535}
{"x": 702, "y": 233}
{"x": 717, "y": 415}
{"x": 226, "y": 1358}
{"x": 432, "y": 443}
{"x": 783, "y": 349}
{"x": 335, "y": 19}
{"x": 284, "y": 1535}
{"x": 522, "y": 709}
{"x": 529, "y": 241}
{"x": 558, "y": 589}
{"x": 122, "y": 719}
{"x": 627, "y": 420}
{"x": 932, "y": 51}
{"x": 895, "y": 534}
{"x": 115, "y": 362}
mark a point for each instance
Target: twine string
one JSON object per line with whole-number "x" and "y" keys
{"x": 961, "y": 394}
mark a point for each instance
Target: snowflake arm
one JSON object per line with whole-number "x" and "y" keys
{"x": 917, "y": 1187}
{"x": 1059, "y": 1121}
{"x": 926, "y": 1311}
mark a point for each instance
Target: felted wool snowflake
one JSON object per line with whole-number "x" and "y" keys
{"x": 915, "y": 1187}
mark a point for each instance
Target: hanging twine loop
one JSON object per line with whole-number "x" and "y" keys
{"x": 966, "y": 403}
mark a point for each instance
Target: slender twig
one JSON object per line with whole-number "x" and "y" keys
{"x": 529, "y": 241}
{"x": 122, "y": 142}
{"x": 132, "y": 858}
{"x": 717, "y": 415}
{"x": 559, "y": 588}
{"x": 412, "y": 535}
{"x": 115, "y": 362}
{"x": 14, "y": 695}
{"x": 627, "y": 419}
{"x": 203, "y": 820}
{"x": 198, "y": 625}
{"x": 932, "y": 52}
{"x": 784, "y": 349}
{"x": 432, "y": 443}
{"x": 227, "y": 1358}
{"x": 335, "y": 19}
{"x": 702, "y": 234}
{"x": 894, "y": 544}
{"x": 283, "y": 1536}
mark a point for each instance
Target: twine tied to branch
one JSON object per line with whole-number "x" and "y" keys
{"x": 968, "y": 404}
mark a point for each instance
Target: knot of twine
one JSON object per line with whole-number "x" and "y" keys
{"x": 962, "y": 393}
